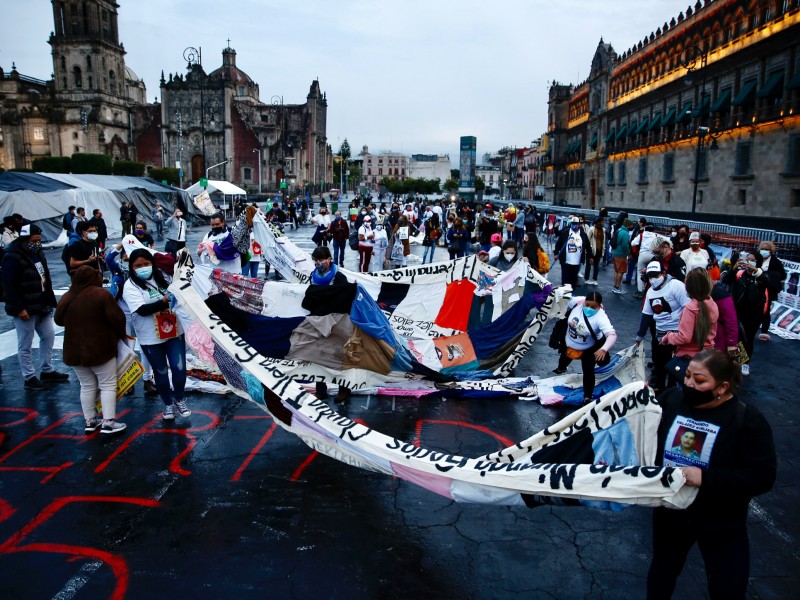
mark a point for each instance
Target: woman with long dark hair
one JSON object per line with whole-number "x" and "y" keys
{"x": 534, "y": 254}
{"x": 725, "y": 449}
{"x": 158, "y": 329}
{"x": 457, "y": 239}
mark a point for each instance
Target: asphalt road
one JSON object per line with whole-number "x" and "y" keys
{"x": 225, "y": 504}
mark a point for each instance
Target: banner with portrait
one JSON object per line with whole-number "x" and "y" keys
{"x": 785, "y": 311}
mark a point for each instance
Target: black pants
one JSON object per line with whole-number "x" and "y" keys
{"x": 751, "y": 322}
{"x": 597, "y": 259}
{"x": 569, "y": 274}
{"x": 724, "y": 548}
{"x": 587, "y": 366}
{"x": 661, "y": 356}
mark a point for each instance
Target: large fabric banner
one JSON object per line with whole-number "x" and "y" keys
{"x": 615, "y": 438}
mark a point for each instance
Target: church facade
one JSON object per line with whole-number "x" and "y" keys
{"x": 94, "y": 103}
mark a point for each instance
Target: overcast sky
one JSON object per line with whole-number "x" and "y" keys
{"x": 405, "y": 75}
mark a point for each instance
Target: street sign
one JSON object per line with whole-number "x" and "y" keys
{"x": 203, "y": 182}
{"x": 283, "y": 184}
{"x": 177, "y": 164}
{"x": 164, "y": 182}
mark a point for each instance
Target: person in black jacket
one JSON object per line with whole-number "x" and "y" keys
{"x": 673, "y": 263}
{"x": 30, "y": 300}
{"x": 776, "y": 274}
{"x": 724, "y": 448}
{"x": 102, "y": 231}
{"x": 571, "y": 249}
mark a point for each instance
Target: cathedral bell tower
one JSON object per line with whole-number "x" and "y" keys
{"x": 88, "y": 60}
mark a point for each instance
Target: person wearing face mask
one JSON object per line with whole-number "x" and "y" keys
{"x": 366, "y": 242}
{"x": 571, "y": 249}
{"x": 748, "y": 284}
{"x": 85, "y": 250}
{"x": 641, "y": 246}
{"x": 695, "y": 256}
{"x": 102, "y": 230}
{"x": 29, "y": 300}
{"x": 140, "y": 231}
{"x": 681, "y": 241}
{"x": 158, "y": 330}
{"x": 177, "y": 228}
{"x": 322, "y": 221}
{"x": 507, "y": 256}
{"x": 217, "y": 248}
{"x": 11, "y": 226}
{"x": 736, "y": 462}
{"x": 381, "y": 243}
{"x": 776, "y": 273}
{"x": 433, "y": 231}
{"x": 663, "y": 304}
{"x": 674, "y": 265}
{"x": 589, "y": 338}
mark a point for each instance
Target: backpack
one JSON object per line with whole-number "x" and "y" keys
{"x": 353, "y": 240}
{"x": 615, "y": 239}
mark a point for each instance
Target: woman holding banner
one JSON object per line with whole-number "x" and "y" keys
{"x": 725, "y": 449}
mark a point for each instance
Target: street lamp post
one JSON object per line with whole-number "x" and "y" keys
{"x": 179, "y": 126}
{"x": 258, "y": 150}
{"x": 690, "y": 62}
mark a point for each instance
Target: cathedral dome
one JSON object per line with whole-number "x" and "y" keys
{"x": 229, "y": 71}
{"x": 130, "y": 75}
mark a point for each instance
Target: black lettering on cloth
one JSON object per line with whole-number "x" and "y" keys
{"x": 562, "y": 474}
{"x": 453, "y": 462}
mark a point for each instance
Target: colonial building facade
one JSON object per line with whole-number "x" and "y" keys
{"x": 208, "y": 119}
{"x": 88, "y": 105}
{"x": 95, "y": 104}
{"x": 385, "y": 164}
{"x": 430, "y": 166}
{"x": 701, "y": 116}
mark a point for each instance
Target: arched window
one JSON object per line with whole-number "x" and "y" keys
{"x": 63, "y": 64}
{"x": 89, "y": 80}
{"x": 77, "y": 77}
{"x": 88, "y": 63}
{"x": 112, "y": 81}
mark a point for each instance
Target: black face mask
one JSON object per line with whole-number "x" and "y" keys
{"x": 694, "y": 397}
{"x": 217, "y": 230}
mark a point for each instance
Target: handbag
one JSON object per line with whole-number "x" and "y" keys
{"x": 559, "y": 334}
{"x": 129, "y": 369}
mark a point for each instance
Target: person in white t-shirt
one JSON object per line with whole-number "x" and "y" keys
{"x": 158, "y": 330}
{"x": 663, "y": 304}
{"x": 571, "y": 248}
{"x": 366, "y": 241}
{"x": 590, "y": 337}
{"x": 644, "y": 243}
{"x": 695, "y": 256}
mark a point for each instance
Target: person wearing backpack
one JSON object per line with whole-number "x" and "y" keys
{"x": 621, "y": 244}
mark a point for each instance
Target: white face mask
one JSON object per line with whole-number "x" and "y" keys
{"x": 510, "y": 256}
{"x": 92, "y": 235}
{"x": 656, "y": 281}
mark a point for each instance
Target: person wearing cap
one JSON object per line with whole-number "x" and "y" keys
{"x": 29, "y": 300}
{"x": 663, "y": 304}
{"x": 496, "y": 246}
{"x": 662, "y": 252}
{"x": 366, "y": 241}
{"x": 695, "y": 256}
{"x": 571, "y": 249}
{"x": 177, "y": 228}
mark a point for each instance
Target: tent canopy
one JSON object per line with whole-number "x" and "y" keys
{"x": 223, "y": 187}
{"x": 45, "y": 197}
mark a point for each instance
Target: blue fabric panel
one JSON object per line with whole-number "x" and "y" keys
{"x": 15, "y": 182}
{"x": 366, "y": 314}
{"x": 270, "y": 336}
{"x": 480, "y": 313}
{"x": 488, "y": 340}
{"x": 613, "y": 446}
{"x": 574, "y": 397}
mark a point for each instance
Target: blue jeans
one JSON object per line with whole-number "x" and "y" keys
{"x": 338, "y": 252}
{"x": 173, "y": 352}
{"x": 251, "y": 269}
{"x": 428, "y": 250}
{"x": 160, "y": 229}
{"x": 43, "y": 325}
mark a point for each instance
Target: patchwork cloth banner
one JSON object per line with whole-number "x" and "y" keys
{"x": 785, "y": 311}
{"x": 614, "y": 438}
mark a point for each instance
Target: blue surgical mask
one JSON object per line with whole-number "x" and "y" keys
{"x": 144, "y": 272}
{"x": 575, "y": 227}
{"x": 589, "y": 312}
{"x": 764, "y": 253}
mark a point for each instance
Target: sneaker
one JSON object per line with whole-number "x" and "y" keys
{"x": 112, "y": 427}
{"x": 616, "y": 290}
{"x": 745, "y": 369}
{"x": 150, "y": 388}
{"x": 92, "y": 425}
{"x": 33, "y": 383}
{"x": 558, "y": 371}
{"x": 593, "y": 282}
{"x": 183, "y": 409}
{"x": 54, "y": 376}
{"x": 169, "y": 415}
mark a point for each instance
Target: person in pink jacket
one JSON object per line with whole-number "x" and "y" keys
{"x": 727, "y": 337}
{"x": 697, "y": 327}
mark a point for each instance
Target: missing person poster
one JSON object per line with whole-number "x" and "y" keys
{"x": 785, "y": 311}
{"x": 689, "y": 443}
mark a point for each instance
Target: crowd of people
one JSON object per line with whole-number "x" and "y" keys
{"x": 703, "y": 317}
